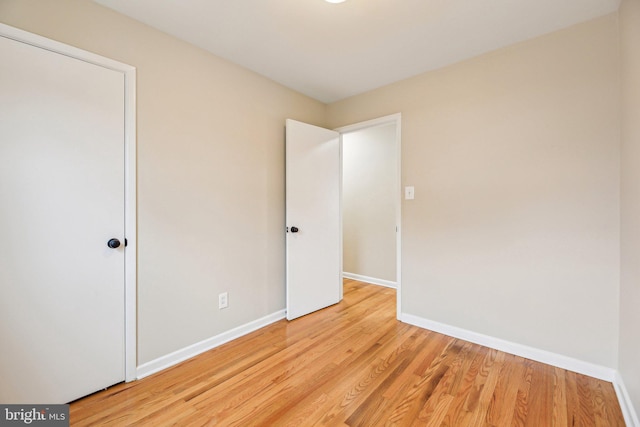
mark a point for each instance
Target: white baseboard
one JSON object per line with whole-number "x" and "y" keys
{"x": 554, "y": 359}
{"x": 181, "y": 355}
{"x": 628, "y": 411}
{"x": 372, "y": 280}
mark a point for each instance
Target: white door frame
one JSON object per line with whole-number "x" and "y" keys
{"x": 396, "y": 119}
{"x": 130, "y": 252}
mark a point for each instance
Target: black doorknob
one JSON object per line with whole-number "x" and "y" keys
{"x": 113, "y": 243}
{"x": 294, "y": 229}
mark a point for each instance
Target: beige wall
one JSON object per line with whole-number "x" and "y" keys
{"x": 210, "y": 173}
{"x": 514, "y": 155}
{"x": 629, "y": 362}
{"x": 369, "y": 197}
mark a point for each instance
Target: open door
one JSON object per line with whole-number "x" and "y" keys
{"x": 314, "y": 264}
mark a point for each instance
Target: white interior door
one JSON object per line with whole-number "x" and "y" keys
{"x": 62, "y": 200}
{"x": 314, "y": 261}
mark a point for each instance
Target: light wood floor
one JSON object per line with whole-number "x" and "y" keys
{"x": 353, "y": 364}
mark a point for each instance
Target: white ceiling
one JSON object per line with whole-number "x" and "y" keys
{"x": 332, "y": 51}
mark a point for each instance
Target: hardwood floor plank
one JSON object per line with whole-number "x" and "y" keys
{"x": 427, "y": 350}
{"x": 462, "y": 386}
{"x": 521, "y": 407}
{"x": 409, "y": 408}
{"x": 573, "y": 402}
{"x": 540, "y": 396}
{"x": 607, "y": 410}
{"x": 354, "y": 364}
{"x": 363, "y": 415}
{"x": 486, "y": 387}
{"x": 364, "y": 379}
{"x": 559, "y": 415}
{"x": 586, "y": 415}
{"x": 502, "y": 404}
{"x": 437, "y": 407}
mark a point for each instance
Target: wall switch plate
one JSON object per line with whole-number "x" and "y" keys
{"x": 409, "y": 193}
{"x": 223, "y": 300}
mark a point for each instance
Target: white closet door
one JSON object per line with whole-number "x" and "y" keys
{"x": 62, "y": 200}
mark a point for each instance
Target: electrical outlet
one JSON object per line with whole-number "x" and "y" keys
{"x": 409, "y": 193}
{"x": 223, "y": 300}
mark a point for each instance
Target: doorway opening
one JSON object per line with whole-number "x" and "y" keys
{"x": 371, "y": 202}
